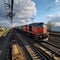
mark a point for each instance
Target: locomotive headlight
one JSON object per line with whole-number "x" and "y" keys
{"x": 48, "y": 33}
{"x": 41, "y": 36}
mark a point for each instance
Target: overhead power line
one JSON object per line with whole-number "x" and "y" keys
{"x": 12, "y": 2}
{"x": 9, "y": 8}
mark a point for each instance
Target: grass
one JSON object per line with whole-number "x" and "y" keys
{"x": 4, "y": 32}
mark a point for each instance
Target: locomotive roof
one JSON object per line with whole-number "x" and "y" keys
{"x": 36, "y": 23}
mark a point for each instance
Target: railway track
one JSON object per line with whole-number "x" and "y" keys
{"x": 54, "y": 41}
{"x": 9, "y": 49}
{"x": 54, "y": 33}
{"x": 52, "y": 44}
{"x": 26, "y": 53}
{"x": 5, "y": 49}
{"x": 53, "y": 49}
{"x": 35, "y": 52}
{"x": 49, "y": 49}
{"x": 31, "y": 49}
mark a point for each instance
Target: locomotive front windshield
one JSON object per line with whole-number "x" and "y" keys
{"x": 41, "y": 25}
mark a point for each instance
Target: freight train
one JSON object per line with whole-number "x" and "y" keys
{"x": 36, "y": 30}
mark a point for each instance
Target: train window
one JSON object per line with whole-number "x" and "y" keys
{"x": 40, "y": 25}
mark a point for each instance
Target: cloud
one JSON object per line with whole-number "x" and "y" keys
{"x": 24, "y": 10}
{"x": 54, "y": 18}
{"x": 57, "y": 2}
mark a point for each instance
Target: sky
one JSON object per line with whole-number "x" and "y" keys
{"x": 47, "y": 8}
{"x": 30, "y": 11}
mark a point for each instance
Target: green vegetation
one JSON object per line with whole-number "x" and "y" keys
{"x": 4, "y": 32}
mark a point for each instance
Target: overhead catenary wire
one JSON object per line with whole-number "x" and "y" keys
{"x": 12, "y": 3}
{"x": 9, "y": 8}
{"x": 53, "y": 5}
{"x": 5, "y": 7}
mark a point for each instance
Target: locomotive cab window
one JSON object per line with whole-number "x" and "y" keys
{"x": 40, "y": 25}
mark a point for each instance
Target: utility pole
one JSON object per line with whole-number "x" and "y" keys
{"x": 9, "y": 9}
{"x": 12, "y": 3}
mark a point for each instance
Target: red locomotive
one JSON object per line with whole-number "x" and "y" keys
{"x": 37, "y": 30}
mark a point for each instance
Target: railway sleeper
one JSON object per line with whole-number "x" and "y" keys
{"x": 53, "y": 51}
